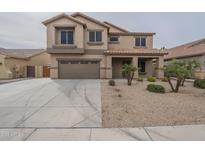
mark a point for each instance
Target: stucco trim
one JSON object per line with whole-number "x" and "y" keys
{"x": 131, "y": 33}
{"x": 79, "y": 59}
{"x": 69, "y": 51}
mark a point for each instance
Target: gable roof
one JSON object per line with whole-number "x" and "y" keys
{"x": 89, "y": 18}
{"x": 187, "y": 50}
{"x": 112, "y": 25}
{"x": 21, "y": 53}
{"x": 62, "y": 15}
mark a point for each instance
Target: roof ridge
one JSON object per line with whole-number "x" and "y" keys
{"x": 185, "y": 44}
{"x": 89, "y": 18}
{"x": 122, "y": 29}
{"x": 60, "y": 16}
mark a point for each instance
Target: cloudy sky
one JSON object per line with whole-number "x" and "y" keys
{"x": 24, "y": 30}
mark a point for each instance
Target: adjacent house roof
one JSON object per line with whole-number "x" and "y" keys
{"x": 131, "y": 33}
{"x": 112, "y": 25}
{"x": 63, "y": 15}
{"x": 21, "y": 53}
{"x": 187, "y": 50}
{"x": 136, "y": 51}
{"x": 89, "y": 18}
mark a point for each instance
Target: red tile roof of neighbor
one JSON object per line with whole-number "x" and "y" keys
{"x": 187, "y": 50}
{"x": 21, "y": 53}
{"x": 136, "y": 51}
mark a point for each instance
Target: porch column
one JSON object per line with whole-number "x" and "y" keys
{"x": 109, "y": 67}
{"x": 135, "y": 63}
{"x": 160, "y": 65}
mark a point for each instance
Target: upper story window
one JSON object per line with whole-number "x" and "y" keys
{"x": 140, "y": 41}
{"x": 67, "y": 37}
{"x": 114, "y": 39}
{"x": 95, "y": 36}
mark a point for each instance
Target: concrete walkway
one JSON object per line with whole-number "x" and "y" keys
{"x": 176, "y": 133}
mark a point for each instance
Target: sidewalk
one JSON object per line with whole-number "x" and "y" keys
{"x": 11, "y": 80}
{"x": 175, "y": 133}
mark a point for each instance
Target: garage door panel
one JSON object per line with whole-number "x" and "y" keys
{"x": 79, "y": 70}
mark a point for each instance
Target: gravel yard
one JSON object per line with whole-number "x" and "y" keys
{"x": 134, "y": 106}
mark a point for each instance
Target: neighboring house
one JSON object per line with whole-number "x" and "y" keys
{"x": 192, "y": 50}
{"x": 83, "y": 47}
{"x": 16, "y": 63}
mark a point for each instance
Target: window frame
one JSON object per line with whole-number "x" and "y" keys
{"x": 140, "y": 41}
{"x": 95, "y": 40}
{"x": 113, "y": 37}
{"x": 67, "y": 42}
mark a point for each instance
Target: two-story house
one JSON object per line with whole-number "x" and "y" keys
{"x": 83, "y": 47}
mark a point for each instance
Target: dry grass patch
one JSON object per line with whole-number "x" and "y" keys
{"x": 134, "y": 106}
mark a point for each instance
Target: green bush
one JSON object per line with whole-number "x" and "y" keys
{"x": 155, "y": 88}
{"x": 199, "y": 83}
{"x": 164, "y": 79}
{"x": 111, "y": 82}
{"x": 140, "y": 79}
{"x": 151, "y": 79}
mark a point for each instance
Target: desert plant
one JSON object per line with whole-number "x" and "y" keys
{"x": 178, "y": 69}
{"x": 164, "y": 79}
{"x": 190, "y": 66}
{"x": 199, "y": 83}
{"x": 129, "y": 71}
{"x": 111, "y": 82}
{"x": 151, "y": 79}
{"x": 155, "y": 88}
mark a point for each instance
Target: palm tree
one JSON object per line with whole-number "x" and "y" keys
{"x": 129, "y": 71}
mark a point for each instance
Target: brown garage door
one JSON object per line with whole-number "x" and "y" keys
{"x": 79, "y": 69}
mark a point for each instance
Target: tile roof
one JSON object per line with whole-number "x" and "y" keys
{"x": 187, "y": 50}
{"x": 112, "y": 25}
{"x": 61, "y": 16}
{"x": 89, "y": 18}
{"x": 21, "y": 53}
{"x": 132, "y": 33}
{"x": 136, "y": 51}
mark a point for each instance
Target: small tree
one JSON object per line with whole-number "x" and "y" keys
{"x": 129, "y": 71}
{"x": 190, "y": 66}
{"x": 178, "y": 69}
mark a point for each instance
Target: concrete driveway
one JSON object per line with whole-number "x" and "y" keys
{"x": 46, "y": 103}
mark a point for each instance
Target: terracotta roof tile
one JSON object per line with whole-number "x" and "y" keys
{"x": 61, "y": 16}
{"x": 187, "y": 50}
{"x": 136, "y": 51}
{"x": 132, "y": 33}
{"x": 112, "y": 25}
{"x": 21, "y": 53}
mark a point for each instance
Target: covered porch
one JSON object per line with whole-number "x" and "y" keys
{"x": 148, "y": 64}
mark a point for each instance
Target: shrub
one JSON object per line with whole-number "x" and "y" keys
{"x": 155, "y": 88}
{"x": 199, "y": 83}
{"x": 140, "y": 79}
{"x": 151, "y": 79}
{"x": 111, "y": 82}
{"x": 164, "y": 79}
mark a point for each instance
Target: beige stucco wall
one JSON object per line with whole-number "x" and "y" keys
{"x": 78, "y": 33}
{"x": 94, "y": 26}
{"x": 42, "y": 59}
{"x": 5, "y": 73}
{"x": 128, "y": 42}
{"x": 54, "y": 62}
